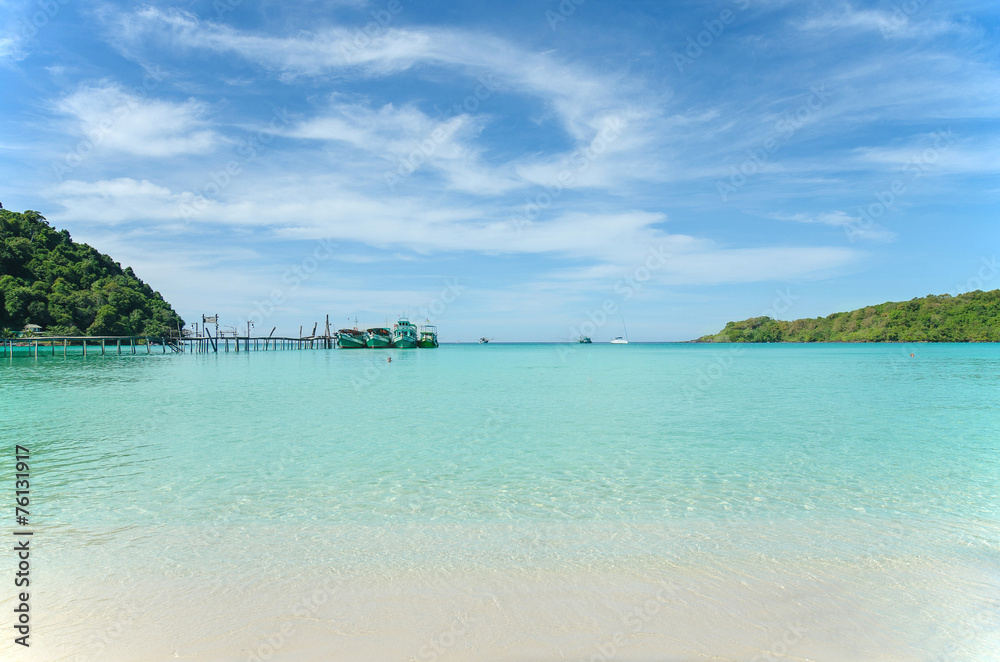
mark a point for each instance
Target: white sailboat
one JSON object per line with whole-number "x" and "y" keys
{"x": 619, "y": 340}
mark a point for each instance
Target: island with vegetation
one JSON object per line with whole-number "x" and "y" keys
{"x": 55, "y": 286}
{"x": 969, "y": 317}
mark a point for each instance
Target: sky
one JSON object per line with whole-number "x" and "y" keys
{"x": 525, "y": 171}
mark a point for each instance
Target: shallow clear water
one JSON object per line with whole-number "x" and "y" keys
{"x": 851, "y": 486}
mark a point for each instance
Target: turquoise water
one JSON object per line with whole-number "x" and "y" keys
{"x": 852, "y": 486}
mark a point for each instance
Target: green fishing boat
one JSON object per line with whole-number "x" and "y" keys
{"x": 404, "y": 334}
{"x": 378, "y": 337}
{"x": 428, "y": 336}
{"x": 351, "y": 339}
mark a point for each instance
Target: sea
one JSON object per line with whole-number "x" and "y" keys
{"x": 507, "y": 502}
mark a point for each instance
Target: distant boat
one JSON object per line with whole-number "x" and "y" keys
{"x": 584, "y": 339}
{"x": 404, "y": 334}
{"x": 483, "y": 340}
{"x": 428, "y": 336}
{"x": 619, "y": 340}
{"x": 351, "y": 339}
{"x": 378, "y": 337}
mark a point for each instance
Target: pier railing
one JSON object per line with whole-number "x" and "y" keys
{"x": 210, "y": 344}
{"x": 130, "y": 344}
{"x": 36, "y": 345}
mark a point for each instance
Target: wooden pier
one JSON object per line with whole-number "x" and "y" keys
{"x": 119, "y": 345}
{"x": 206, "y": 343}
{"x": 93, "y": 344}
{"x": 215, "y": 344}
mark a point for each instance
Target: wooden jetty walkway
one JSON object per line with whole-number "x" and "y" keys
{"x": 215, "y": 344}
{"x": 131, "y": 344}
{"x": 118, "y": 345}
{"x": 194, "y": 344}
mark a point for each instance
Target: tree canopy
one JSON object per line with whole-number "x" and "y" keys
{"x": 68, "y": 288}
{"x": 969, "y": 317}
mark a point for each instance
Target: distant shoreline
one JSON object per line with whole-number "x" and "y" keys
{"x": 965, "y": 318}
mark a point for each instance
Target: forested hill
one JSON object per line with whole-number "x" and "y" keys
{"x": 67, "y": 288}
{"x": 970, "y": 317}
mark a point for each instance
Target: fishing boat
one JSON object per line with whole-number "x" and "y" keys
{"x": 404, "y": 334}
{"x": 584, "y": 339}
{"x": 483, "y": 340}
{"x": 378, "y": 337}
{"x": 351, "y": 339}
{"x": 428, "y": 336}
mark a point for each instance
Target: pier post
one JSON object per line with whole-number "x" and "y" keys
{"x": 133, "y": 344}
{"x": 84, "y": 346}
{"x": 53, "y": 347}
{"x": 36, "y": 349}
{"x": 119, "y": 347}
{"x": 64, "y": 347}
{"x": 102, "y": 346}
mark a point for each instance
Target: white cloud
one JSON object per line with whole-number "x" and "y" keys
{"x": 115, "y": 119}
{"x": 748, "y": 265}
{"x": 118, "y": 201}
{"x": 897, "y": 23}
{"x": 613, "y": 242}
{"x": 942, "y": 152}
{"x": 578, "y": 97}
{"x": 10, "y": 50}
{"x": 855, "y": 227}
{"x": 406, "y": 140}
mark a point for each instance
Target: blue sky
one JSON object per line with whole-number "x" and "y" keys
{"x": 521, "y": 170}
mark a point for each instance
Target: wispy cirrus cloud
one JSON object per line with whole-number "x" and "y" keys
{"x": 898, "y": 22}
{"x": 860, "y": 228}
{"x": 124, "y": 122}
{"x": 575, "y": 94}
{"x": 612, "y": 240}
{"x": 405, "y": 139}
